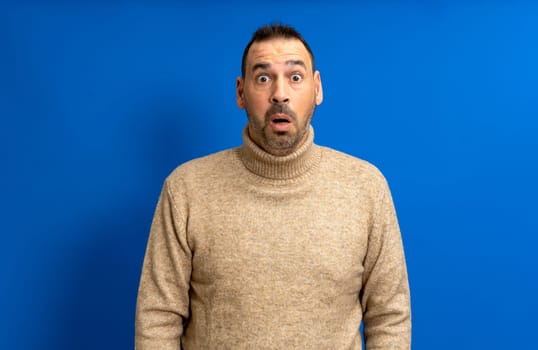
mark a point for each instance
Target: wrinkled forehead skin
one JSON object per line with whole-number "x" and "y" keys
{"x": 277, "y": 51}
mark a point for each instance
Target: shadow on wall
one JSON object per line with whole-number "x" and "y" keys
{"x": 97, "y": 307}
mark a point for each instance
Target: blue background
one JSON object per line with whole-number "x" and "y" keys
{"x": 99, "y": 101}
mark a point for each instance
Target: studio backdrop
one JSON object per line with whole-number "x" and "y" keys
{"x": 100, "y": 101}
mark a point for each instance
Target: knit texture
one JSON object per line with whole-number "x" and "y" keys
{"x": 252, "y": 251}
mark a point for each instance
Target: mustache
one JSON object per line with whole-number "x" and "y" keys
{"x": 282, "y": 109}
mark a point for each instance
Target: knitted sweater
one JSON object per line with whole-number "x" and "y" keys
{"x": 253, "y": 251}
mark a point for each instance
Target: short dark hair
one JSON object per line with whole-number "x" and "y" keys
{"x": 276, "y": 30}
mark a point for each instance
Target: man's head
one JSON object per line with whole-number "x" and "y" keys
{"x": 279, "y": 88}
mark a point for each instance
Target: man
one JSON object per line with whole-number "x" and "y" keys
{"x": 279, "y": 243}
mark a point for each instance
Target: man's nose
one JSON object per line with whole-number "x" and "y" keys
{"x": 280, "y": 91}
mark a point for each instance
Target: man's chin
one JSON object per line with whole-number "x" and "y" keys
{"x": 281, "y": 146}
{"x": 282, "y": 142}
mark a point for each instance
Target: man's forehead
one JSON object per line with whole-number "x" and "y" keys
{"x": 278, "y": 50}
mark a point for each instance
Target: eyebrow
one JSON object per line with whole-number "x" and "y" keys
{"x": 263, "y": 65}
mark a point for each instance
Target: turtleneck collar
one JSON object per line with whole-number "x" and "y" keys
{"x": 270, "y": 166}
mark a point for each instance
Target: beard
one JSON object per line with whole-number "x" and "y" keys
{"x": 279, "y": 143}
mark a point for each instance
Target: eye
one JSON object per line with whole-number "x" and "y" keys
{"x": 296, "y": 77}
{"x": 262, "y": 79}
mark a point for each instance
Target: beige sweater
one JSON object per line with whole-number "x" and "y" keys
{"x": 252, "y": 251}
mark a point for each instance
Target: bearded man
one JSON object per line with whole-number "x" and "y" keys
{"x": 279, "y": 243}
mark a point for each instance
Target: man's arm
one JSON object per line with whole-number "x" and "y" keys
{"x": 385, "y": 296}
{"x": 163, "y": 295}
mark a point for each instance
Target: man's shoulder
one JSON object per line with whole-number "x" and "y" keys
{"x": 347, "y": 162}
{"x": 205, "y": 166}
{"x": 349, "y": 166}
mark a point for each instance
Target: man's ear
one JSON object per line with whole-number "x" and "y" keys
{"x": 318, "y": 88}
{"x": 239, "y": 92}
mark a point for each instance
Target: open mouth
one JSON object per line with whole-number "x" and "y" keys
{"x": 280, "y": 119}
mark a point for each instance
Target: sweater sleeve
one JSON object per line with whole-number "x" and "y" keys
{"x": 385, "y": 296}
{"x": 163, "y": 296}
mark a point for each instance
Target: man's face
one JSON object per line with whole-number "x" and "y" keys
{"x": 279, "y": 93}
